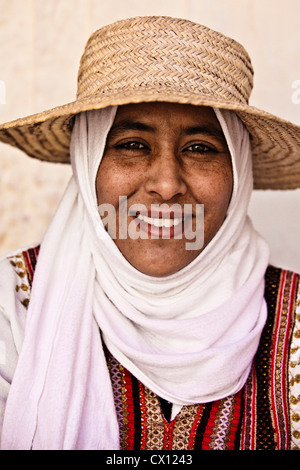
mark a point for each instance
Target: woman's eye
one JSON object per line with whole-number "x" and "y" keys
{"x": 131, "y": 146}
{"x": 200, "y": 148}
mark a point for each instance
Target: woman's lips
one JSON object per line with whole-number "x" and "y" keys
{"x": 160, "y": 221}
{"x": 162, "y": 225}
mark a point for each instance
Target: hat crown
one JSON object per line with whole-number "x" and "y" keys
{"x": 160, "y": 55}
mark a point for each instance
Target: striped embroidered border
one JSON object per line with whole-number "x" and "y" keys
{"x": 206, "y": 427}
{"x": 30, "y": 257}
{"x": 282, "y": 339}
{"x": 294, "y": 380}
{"x": 266, "y": 423}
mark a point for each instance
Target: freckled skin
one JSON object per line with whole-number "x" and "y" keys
{"x": 175, "y": 154}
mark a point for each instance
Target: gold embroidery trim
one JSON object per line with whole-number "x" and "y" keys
{"x": 22, "y": 288}
{"x": 294, "y": 380}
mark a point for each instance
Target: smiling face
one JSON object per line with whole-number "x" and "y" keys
{"x": 169, "y": 155}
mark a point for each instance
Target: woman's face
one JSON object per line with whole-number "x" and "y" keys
{"x": 166, "y": 158}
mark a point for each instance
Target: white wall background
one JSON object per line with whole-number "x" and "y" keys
{"x": 41, "y": 42}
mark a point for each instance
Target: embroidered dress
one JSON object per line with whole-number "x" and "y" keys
{"x": 264, "y": 415}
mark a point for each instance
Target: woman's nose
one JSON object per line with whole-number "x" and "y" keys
{"x": 164, "y": 177}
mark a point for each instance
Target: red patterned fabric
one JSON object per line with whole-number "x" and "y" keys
{"x": 266, "y": 423}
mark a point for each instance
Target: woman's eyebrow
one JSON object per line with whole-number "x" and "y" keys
{"x": 130, "y": 125}
{"x": 205, "y": 129}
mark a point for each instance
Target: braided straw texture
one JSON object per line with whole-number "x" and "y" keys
{"x": 162, "y": 53}
{"x": 165, "y": 59}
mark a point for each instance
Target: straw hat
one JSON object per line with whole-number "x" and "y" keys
{"x": 165, "y": 59}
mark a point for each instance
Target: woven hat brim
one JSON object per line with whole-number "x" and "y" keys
{"x": 275, "y": 142}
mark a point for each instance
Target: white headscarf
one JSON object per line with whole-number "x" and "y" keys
{"x": 190, "y": 337}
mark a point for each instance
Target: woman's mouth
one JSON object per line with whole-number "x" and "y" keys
{"x": 161, "y": 226}
{"x": 161, "y": 222}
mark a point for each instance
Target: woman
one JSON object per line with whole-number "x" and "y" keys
{"x": 118, "y": 332}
